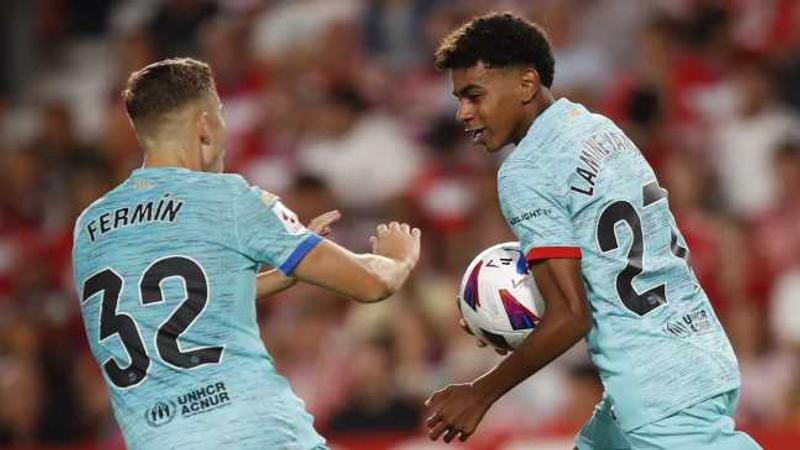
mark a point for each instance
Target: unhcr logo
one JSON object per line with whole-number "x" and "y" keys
{"x": 161, "y": 413}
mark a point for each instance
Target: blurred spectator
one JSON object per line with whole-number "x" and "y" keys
{"x": 20, "y": 385}
{"x": 783, "y": 318}
{"x": 784, "y": 302}
{"x": 767, "y": 371}
{"x": 286, "y": 27}
{"x": 788, "y": 58}
{"x": 374, "y": 404}
{"x": 718, "y": 251}
{"x": 699, "y": 64}
{"x": 582, "y": 64}
{"x": 744, "y": 144}
{"x": 366, "y": 159}
{"x": 300, "y": 329}
{"x": 444, "y": 193}
{"x": 776, "y": 232}
{"x": 225, "y": 46}
{"x": 176, "y": 23}
{"x": 393, "y": 31}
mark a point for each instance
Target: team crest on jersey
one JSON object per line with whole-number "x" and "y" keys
{"x": 287, "y": 218}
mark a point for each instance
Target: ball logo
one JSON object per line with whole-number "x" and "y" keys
{"x": 160, "y": 414}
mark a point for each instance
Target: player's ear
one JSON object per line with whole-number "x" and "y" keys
{"x": 203, "y": 128}
{"x": 529, "y": 84}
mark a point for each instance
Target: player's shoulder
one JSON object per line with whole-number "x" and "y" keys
{"x": 242, "y": 189}
{"x": 94, "y": 207}
{"x": 234, "y": 188}
{"x": 548, "y": 153}
{"x": 223, "y": 181}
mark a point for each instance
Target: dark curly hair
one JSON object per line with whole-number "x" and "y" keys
{"x": 498, "y": 40}
{"x": 165, "y": 86}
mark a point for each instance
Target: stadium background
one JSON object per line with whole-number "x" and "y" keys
{"x": 335, "y": 104}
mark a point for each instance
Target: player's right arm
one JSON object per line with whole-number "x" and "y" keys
{"x": 273, "y": 281}
{"x": 268, "y": 232}
{"x": 364, "y": 277}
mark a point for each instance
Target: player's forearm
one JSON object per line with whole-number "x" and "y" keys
{"x": 554, "y": 336}
{"x": 271, "y": 282}
{"x": 390, "y": 274}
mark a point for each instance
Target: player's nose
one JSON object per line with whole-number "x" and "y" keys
{"x": 464, "y": 114}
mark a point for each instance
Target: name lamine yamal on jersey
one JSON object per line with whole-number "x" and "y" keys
{"x": 596, "y": 149}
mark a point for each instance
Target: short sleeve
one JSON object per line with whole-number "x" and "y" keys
{"x": 535, "y": 209}
{"x": 269, "y": 232}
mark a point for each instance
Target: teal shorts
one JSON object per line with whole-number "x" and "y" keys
{"x": 705, "y": 425}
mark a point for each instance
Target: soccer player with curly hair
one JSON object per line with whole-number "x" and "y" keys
{"x": 605, "y": 252}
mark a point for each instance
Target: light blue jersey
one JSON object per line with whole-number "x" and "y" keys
{"x": 577, "y": 187}
{"x": 165, "y": 265}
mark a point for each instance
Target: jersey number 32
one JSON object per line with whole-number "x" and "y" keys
{"x": 166, "y": 339}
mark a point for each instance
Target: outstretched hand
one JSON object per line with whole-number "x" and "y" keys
{"x": 455, "y": 411}
{"x": 397, "y": 241}
{"x": 322, "y": 223}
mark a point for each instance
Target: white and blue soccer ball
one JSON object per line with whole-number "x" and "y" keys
{"x": 499, "y": 299}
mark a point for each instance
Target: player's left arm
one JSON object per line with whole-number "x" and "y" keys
{"x": 458, "y": 409}
{"x": 535, "y": 203}
{"x": 273, "y": 281}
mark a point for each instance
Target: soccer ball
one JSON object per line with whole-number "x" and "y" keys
{"x": 499, "y": 299}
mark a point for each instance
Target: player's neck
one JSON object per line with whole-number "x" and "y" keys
{"x": 170, "y": 157}
{"x": 536, "y": 109}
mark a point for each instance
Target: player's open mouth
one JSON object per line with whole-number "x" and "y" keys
{"x": 477, "y": 134}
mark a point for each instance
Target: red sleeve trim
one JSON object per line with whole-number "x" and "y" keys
{"x": 554, "y": 252}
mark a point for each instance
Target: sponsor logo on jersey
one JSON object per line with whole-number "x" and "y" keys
{"x": 696, "y": 322}
{"x": 197, "y": 401}
{"x": 528, "y": 215}
{"x": 203, "y": 399}
{"x": 160, "y": 414}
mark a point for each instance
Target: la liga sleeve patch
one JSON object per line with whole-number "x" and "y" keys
{"x": 287, "y": 218}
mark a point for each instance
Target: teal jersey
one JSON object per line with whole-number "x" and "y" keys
{"x": 577, "y": 187}
{"x": 165, "y": 266}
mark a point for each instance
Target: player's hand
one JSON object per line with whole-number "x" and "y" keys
{"x": 455, "y": 411}
{"x": 481, "y": 343}
{"x": 397, "y": 241}
{"x": 322, "y": 223}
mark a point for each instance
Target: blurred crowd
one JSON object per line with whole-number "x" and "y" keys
{"x": 335, "y": 104}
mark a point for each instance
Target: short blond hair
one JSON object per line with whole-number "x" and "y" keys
{"x": 165, "y": 86}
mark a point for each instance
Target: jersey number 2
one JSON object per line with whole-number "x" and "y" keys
{"x": 622, "y": 211}
{"x": 112, "y": 322}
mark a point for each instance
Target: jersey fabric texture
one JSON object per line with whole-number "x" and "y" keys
{"x": 705, "y": 425}
{"x": 166, "y": 265}
{"x": 577, "y": 187}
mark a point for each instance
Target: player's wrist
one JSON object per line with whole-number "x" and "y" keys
{"x": 406, "y": 262}
{"x": 486, "y": 389}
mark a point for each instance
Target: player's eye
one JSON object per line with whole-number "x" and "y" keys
{"x": 474, "y": 97}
